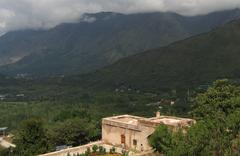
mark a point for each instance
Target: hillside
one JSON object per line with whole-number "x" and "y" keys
{"x": 191, "y": 62}
{"x": 98, "y": 40}
{"x": 16, "y": 45}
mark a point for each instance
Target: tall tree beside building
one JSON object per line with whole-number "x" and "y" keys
{"x": 217, "y": 131}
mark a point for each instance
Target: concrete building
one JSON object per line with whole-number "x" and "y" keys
{"x": 132, "y": 132}
{"x": 129, "y": 132}
{"x": 3, "y": 131}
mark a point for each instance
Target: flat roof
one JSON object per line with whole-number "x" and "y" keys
{"x": 134, "y": 120}
{"x": 127, "y": 119}
{"x": 173, "y": 121}
{"x": 3, "y": 128}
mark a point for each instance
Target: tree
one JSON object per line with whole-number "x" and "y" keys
{"x": 31, "y": 138}
{"x": 73, "y": 132}
{"x": 220, "y": 105}
{"x": 220, "y": 100}
{"x": 161, "y": 139}
{"x": 217, "y": 131}
{"x": 95, "y": 148}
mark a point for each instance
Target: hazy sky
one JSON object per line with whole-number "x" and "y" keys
{"x": 20, "y": 14}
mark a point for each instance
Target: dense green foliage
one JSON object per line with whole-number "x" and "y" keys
{"x": 221, "y": 100}
{"x": 74, "y": 132}
{"x": 69, "y": 105}
{"x": 217, "y": 132}
{"x": 161, "y": 139}
{"x": 32, "y": 139}
{"x": 87, "y": 46}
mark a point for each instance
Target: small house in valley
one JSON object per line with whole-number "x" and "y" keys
{"x": 127, "y": 132}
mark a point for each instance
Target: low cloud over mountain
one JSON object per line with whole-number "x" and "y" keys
{"x": 22, "y": 14}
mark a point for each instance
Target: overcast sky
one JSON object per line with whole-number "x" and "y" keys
{"x": 21, "y": 14}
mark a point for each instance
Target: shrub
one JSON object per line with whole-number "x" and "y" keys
{"x": 95, "y": 148}
{"x": 112, "y": 150}
{"x": 87, "y": 152}
{"x": 124, "y": 153}
{"x": 101, "y": 149}
{"x": 104, "y": 150}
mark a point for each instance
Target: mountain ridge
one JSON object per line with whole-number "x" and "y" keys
{"x": 184, "y": 64}
{"x": 78, "y": 48}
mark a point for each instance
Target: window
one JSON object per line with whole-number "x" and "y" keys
{"x": 123, "y": 139}
{"x": 135, "y": 142}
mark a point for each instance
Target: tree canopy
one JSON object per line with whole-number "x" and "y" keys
{"x": 217, "y": 131}
{"x": 32, "y": 138}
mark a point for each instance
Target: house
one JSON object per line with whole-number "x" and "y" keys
{"x": 132, "y": 132}
{"x": 129, "y": 132}
{"x": 3, "y": 131}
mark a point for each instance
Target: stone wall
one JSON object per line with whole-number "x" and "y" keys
{"x": 74, "y": 150}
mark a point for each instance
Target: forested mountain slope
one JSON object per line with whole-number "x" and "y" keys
{"x": 194, "y": 61}
{"x": 98, "y": 40}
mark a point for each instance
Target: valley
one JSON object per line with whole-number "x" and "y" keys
{"x": 57, "y": 85}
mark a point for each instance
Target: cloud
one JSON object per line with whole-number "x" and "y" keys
{"x": 22, "y": 14}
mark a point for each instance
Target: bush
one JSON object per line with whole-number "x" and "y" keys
{"x": 124, "y": 153}
{"x": 104, "y": 150}
{"x": 95, "y": 148}
{"x": 112, "y": 150}
{"x": 161, "y": 139}
{"x": 101, "y": 149}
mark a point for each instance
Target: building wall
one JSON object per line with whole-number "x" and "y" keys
{"x": 112, "y": 135}
{"x": 82, "y": 149}
{"x": 74, "y": 150}
{"x": 145, "y": 134}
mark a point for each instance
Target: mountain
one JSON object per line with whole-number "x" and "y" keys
{"x": 16, "y": 45}
{"x": 98, "y": 40}
{"x": 192, "y": 62}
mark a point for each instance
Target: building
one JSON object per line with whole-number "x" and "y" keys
{"x": 132, "y": 132}
{"x": 129, "y": 132}
{"x": 3, "y": 131}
